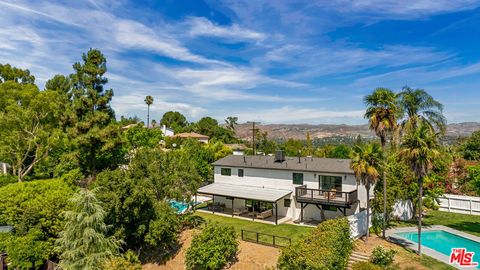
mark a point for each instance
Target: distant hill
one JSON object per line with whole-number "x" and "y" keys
{"x": 299, "y": 131}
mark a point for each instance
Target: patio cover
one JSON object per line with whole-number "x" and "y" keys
{"x": 244, "y": 192}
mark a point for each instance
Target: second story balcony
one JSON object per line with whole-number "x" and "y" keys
{"x": 326, "y": 197}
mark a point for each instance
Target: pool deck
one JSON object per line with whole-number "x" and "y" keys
{"x": 392, "y": 237}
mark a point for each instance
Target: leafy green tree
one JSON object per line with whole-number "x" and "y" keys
{"x": 148, "y": 101}
{"x": 419, "y": 150}
{"x": 163, "y": 230}
{"x": 212, "y": 248}
{"x": 9, "y": 73}
{"x": 293, "y": 147}
{"x": 207, "y": 126}
{"x": 94, "y": 131}
{"x": 231, "y": 122}
{"x": 26, "y": 207}
{"x": 83, "y": 242}
{"x": 264, "y": 144}
{"x": 32, "y": 115}
{"x": 366, "y": 160}
{"x": 382, "y": 111}
{"x": 339, "y": 151}
{"x": 470, "y": 148}
{"x": 473, "y": 178}
{"x": 174, "y": 120}
{"x": 139, "y": 136}
{"x": 419, "y": 106}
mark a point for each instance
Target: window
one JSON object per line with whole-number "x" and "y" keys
{"x": 330, "y": 182}
{"x": 226, "y": 171}
{"x": 240, "y": 172}
{"x": 258, "y": 206}
{"x": 298, "y": 178}
{"x": 287, "y": 202}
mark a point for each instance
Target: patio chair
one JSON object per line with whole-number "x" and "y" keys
{"x": 265, "y": 214}
{"x": 332, "y": 194}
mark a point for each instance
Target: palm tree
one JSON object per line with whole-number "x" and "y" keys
{"x": 419, "y": 149}
{"x": 231, "y": 122}
{"x": 419, "y": 106}
{"x": 382, "y": 112}
{"x": 148, "y": 101}
{"x": 365, "y": 164}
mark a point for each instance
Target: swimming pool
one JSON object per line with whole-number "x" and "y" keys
{"x": 180, "y": 207}
{"x": 443, "y": 242}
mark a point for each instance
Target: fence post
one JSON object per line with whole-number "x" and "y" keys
{"x": 257, "y": 237}
{"x": 274, "y": 241}
{"x": 448, "y": 200}
{"x": 470, "y": 206}
{"x": 242, "y": 234}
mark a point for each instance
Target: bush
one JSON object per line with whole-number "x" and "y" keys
{"x": 162, "y": 231}
{"x": 29, "y": 251}
{"x": 382, "y": 257}
{"x": 7, "y": 179}
{"x": 129, "y": 261}
{"x": 212, "y": 248}
{"x": 190, "y": 221}
{"x": 365, "y": 266}
{"x": 328, "y": 246}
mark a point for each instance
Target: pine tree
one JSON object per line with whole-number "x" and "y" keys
{"x": 83, "y": 243}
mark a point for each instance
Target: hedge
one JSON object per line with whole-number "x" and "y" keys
{"x": 328, "y": 246}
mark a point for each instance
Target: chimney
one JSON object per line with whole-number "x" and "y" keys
{"x": 279, "y": 156}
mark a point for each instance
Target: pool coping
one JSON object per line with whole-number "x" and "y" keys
{"x": 391, "y": 236}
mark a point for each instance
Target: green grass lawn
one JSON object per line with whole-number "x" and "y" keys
{"x": 465, "y": 223}
{"x": 286, "y": 230}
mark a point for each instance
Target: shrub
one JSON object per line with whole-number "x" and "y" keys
{"x": 365, "y": 266}
{"x": 382, "y": 257}
{"x": 212, "y": 248}
{"x": 29, "y": 251}
{"x": 129, "y": 261}
{"x": 7, "y": 179}
{"x": 190, "y": 221}
{"x": 328, "y": 246}
{"x": 162, "y": 231}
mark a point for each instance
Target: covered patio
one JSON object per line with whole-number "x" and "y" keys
{"x": 255, "y": 203}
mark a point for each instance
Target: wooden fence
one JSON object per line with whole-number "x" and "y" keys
{"x": 265, "y": 239}
{"x": 460, "y": 204}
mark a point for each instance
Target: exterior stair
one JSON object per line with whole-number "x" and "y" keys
{"x": 357, "y": 257}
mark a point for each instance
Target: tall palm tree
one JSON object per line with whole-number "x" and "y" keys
{"x": 148, "y": 101}
{"x": 419, "y": 106}
{"x": 365, "y": 163}
{"x": 382, "y": 111}
{"x": 419, "y": 149}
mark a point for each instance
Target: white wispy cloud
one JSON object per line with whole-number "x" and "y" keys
{"x": 203, "y": 27}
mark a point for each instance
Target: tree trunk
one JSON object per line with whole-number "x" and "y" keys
{"x": 148, "y": 116}
{"x": 384, "y": 191}
{"x": 420, "y": 194}
{"x": 368, "y": 212}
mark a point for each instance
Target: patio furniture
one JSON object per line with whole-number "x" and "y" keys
{"x": 265, "y": 214}
{"x": 239, "y": 211}
{"x": 332, "y": 194}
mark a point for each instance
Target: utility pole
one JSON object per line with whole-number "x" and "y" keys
{"x": 253, "y": 129}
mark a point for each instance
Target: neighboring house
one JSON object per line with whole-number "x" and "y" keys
{"x": 238, "y": 149}
{"x": 166, "y": 131}
{"x": 193, "y": 135}
{"x": 4, "y": 167}
{"x": 279, "y": 188}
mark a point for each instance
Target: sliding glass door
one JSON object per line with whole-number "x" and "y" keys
{"x": 328, "y": 182}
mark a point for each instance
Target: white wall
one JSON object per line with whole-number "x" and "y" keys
{"x": 358, "y": 224}
{"x": 403, "y": 210}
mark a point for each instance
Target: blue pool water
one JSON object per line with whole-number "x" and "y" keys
{"x": 443, "y": 242}
{"x": 180, "y": 207}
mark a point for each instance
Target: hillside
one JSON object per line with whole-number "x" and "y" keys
{"x": 299, "y": 131}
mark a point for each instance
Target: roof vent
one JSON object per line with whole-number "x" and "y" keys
{"x": 279, "y": 156}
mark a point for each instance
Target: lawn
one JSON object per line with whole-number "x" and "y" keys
{"x": 465, "y": 223}
{"x": 286, "y": 230}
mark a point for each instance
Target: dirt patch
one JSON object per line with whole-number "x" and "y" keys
{"x": 249, "y": 256}
{"x": 403, "y": 257}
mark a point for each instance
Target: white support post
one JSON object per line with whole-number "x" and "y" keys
{"x": 470, "y": 206}
{"x": 448, "y": 199}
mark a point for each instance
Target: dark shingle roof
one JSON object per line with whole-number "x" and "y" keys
{"x": 311, "y": 164}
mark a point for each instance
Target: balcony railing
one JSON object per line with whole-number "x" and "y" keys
{"x": 328, "y": 197}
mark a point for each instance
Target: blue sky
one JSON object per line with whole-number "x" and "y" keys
{"x": 269, "y": 61}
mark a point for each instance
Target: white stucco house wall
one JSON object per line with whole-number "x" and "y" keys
{"x": 166, "y": 131}
{"x": 295, "y": 188}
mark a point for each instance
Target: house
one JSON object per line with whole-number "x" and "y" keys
{"x": 238, "y": 149}
{"x": 192, "y": 135}
{"x": 278, "y": 188}
{"x": 166, "y": 131}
